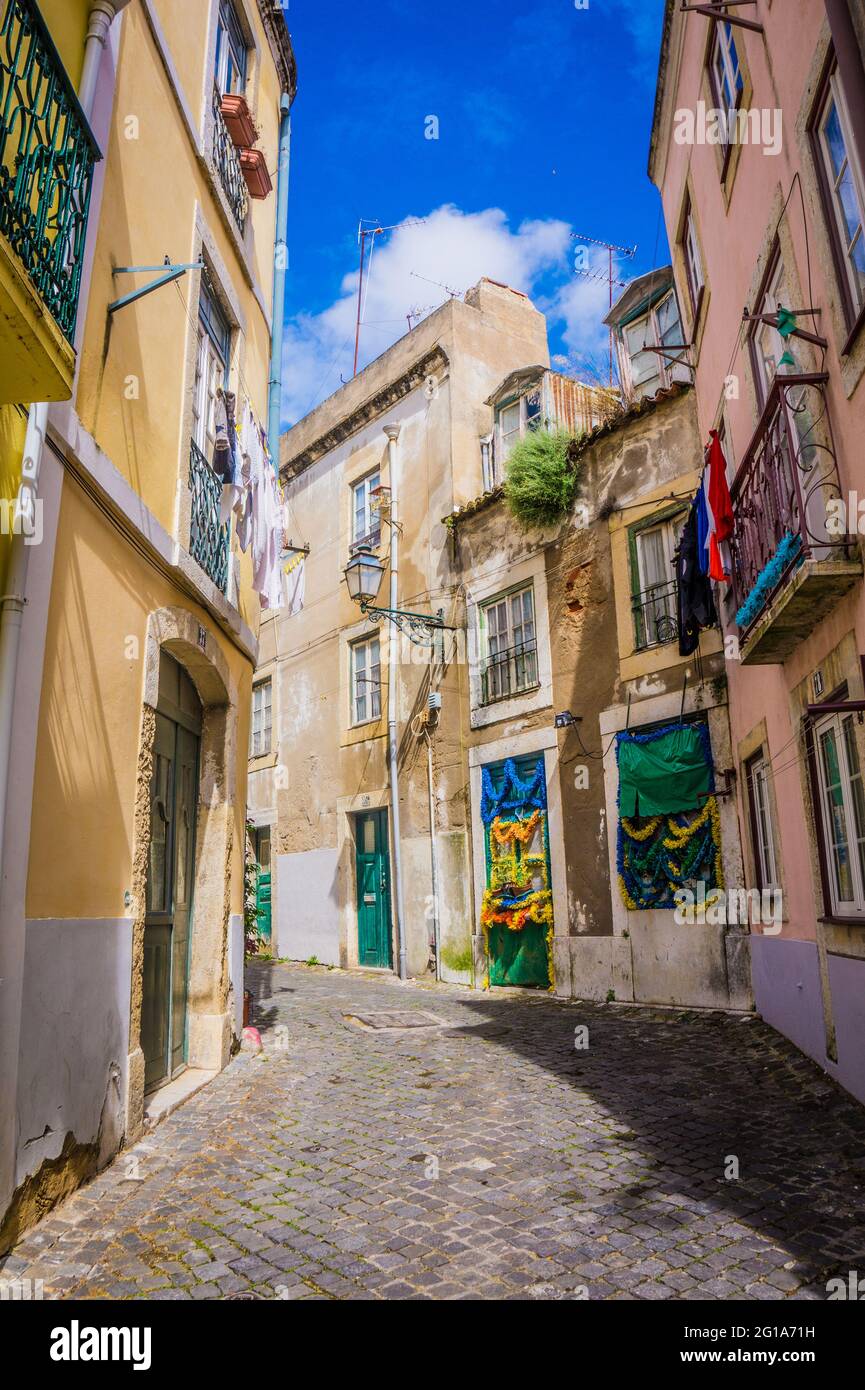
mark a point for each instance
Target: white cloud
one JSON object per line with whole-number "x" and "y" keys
{"x": 456, "y": 249}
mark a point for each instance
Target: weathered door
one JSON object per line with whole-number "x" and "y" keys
{"x": 170, "y": 874}
{"x": 262, "y": 884}
{"x": 373, "y": 890}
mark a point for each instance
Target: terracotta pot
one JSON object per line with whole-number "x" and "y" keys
{"x": 254, "y": 166}
{"x": 238, "y": 120}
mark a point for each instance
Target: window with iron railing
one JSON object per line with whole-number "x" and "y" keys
{"x": 653, "y": 597}
{"x": 47, "y": 154}
{"x": 509, "y": 650}
{"x": 228, "y": 166}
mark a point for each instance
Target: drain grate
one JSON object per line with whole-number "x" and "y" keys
{"x": 395, "y": 1020}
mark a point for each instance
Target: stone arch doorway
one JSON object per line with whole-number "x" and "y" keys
{"x": 189, "y": 711}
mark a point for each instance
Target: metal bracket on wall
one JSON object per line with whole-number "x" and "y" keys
{"x": 172, "y": 272}
{"x": 717, "y": 9}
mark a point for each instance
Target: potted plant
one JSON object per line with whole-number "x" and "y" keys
{"x": 238, "y": 120}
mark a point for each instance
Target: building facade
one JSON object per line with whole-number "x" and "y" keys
{"x": 123, "y": 852}
{"x": 758, "y": 149}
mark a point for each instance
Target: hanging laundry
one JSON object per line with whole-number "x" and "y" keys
{"x": 719, "y": 512}
{"x": 295, "y": 583}
{"x": 694, "y": 605}
{"x": 225, "y": 460}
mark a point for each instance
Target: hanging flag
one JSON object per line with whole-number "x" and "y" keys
{"x": 719, "y": 512}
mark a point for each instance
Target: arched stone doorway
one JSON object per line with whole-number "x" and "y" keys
{"x": 179, "y": 648}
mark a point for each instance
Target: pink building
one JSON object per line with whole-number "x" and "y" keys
{"x": 758, "y": 149}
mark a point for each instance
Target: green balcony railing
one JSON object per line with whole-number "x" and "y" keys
{"x": 208, "y": 540}
{"x": 47, "y": 154}
{"x": 228, "y": 163}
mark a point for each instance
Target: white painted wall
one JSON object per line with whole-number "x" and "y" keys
{"x": 308, "y": 918}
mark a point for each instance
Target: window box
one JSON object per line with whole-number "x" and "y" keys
{"x": 254, "y": 168}
{"x": 238, "y": 120}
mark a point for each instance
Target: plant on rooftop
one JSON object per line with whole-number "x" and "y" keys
{"x": 541, "y": 481}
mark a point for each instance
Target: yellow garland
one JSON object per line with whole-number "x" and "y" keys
{"x": 537, "y": 907}
{"x": 505, "y": 832}
{"x": 646, "y": 831}
{"x": 551, "y": 968}
{"x": 678, "y": 837}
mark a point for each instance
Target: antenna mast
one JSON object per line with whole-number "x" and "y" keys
{"x": 627, "y": 252}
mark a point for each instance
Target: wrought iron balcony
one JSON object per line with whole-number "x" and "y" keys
{"x": 227, "y": 161}
{"x": 510, "y": 672}
{"x": 655, "y": 616}
{"x": 789, "y": 566}
{"x": 47, "y": 154}
{"x": 208, "y": 540}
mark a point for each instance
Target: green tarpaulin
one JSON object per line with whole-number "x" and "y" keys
{"x": 663, "y": 777}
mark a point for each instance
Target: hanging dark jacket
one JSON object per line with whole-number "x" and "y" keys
{"x": 694, "y": 603}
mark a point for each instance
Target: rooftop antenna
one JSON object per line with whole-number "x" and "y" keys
{"x": 628, "y": 253}
{"x": 362, "y": 233}
{"x": 454, "y": 294}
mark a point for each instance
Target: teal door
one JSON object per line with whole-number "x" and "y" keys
{"x": 373, "y": 890}
{"x": 262, "y": 884}
{"x": 170, "y": 876}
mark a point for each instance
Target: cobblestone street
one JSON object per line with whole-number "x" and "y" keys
{"x": 484, "y": 1157}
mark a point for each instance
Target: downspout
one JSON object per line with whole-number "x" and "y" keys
{"x": 280, "y": 268}
{"x": 12, "y": 603}
{"x": 392, "y": 432}
{"x": 434, "y": 859}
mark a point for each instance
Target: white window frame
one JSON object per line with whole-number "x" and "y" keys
{"x": 371, "y": 534}
{"x": 843, "y": 907}
{"x": 261, "y": 726}
{"x": 652, "y": 337}
{"x": 835, "y": 96}
{"x": 522, "y": 674}
{"x": 725, "y": 72}
{"x": 691, "y": 248}
{"x": 370, "y": 694}
{"x": 761, "y": 807}
{"x": 513, "y": 435}
{"x": 225, "y": 56}
{"x": 666, "y": 601}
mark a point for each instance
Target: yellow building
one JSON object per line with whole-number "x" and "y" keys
{"x": 126, "y": 679}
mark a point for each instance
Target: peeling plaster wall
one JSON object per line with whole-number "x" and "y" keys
{"x": 74, "y": 1035}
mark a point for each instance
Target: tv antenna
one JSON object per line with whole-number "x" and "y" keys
{"x": 623, "y": 252}
{"x": 376, "y": 229}
{"x": 454, "y": 294}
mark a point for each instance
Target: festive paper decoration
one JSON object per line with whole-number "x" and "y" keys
{"x": 789, "y": 548}
{"x": 658, "y": 854}
{"x": 517, "y": 896}
{"x": 515, "y": 796}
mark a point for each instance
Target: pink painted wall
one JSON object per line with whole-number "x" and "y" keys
{"x": 732, "y": 237}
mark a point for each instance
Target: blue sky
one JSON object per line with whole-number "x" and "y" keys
{"x": 544, "y": 112}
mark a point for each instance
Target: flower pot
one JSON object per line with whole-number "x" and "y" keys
{"x": 254, "y": 167}
{"x": 238, "y": 120}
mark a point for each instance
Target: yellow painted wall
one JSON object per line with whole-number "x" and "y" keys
{"x": 67, "y": 24}
{"x": 90, "y": 719}
{"x": 13, "y": 427}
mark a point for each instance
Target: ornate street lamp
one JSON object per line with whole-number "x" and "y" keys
{"x": 363, "y": 576}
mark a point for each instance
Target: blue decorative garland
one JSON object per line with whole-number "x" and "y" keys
{"x": 515, "y": 795}
{"x": 768, "y": 579}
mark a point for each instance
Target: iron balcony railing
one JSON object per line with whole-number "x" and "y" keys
{"x": 47, "y": 154}
{"x": 208, "y": 539}
{"x": 227, "y": 161}
{"x": 655, "y": 616}
{"x": 509, "y": 672}
{"x": 784, "y": 485}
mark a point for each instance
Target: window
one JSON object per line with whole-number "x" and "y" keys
{"x": 365, "y": 520}
{"x": 230, "y": 51}
{"x": 843, "y": 807}
{"x": 512, "y": 422}
{"x": 843, "y": 189}
{"x": 762, "y": 831}
{"x": 693, "y": 261}
{"x": 660, "y": 327}
{"x": 509, "y": 652}
{"x": 767, "y": 348}
{"x": 211, "y": 369}
{"x": 365, "y": 681}
{"x": 262, "y": 719}
{"x": 724, "y": 72}
{"x": 654, "y": 597}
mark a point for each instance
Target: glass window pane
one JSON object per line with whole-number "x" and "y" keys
{"x": 837, "y": 827}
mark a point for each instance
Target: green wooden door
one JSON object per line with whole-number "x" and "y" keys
{"x": 373, "y": 890}
{"x": 262, "y": 882}
{"x": 170, "y": 876}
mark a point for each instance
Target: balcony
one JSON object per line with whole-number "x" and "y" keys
{"x": 226, "y": 157}
{"x": 655, "y": 616}
{"x": 208, "y": 539}
{"x": 47, "y": 155}
{"x": 789, "y": 567}
{"x": 509, "y": 673}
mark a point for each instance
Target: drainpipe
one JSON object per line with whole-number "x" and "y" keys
{"x": 13, "y": 601}
{"x": 392, "y": 432}
{"x": 434, "y": 859}
{"x": 280, "y": 267}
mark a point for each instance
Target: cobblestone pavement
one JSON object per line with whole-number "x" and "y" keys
{"x": 487, "y": 1157}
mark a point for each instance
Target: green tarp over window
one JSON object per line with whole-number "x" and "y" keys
{"x": 663, "y": 777}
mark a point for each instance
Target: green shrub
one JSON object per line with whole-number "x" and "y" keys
{"x": 541, "y": 481}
